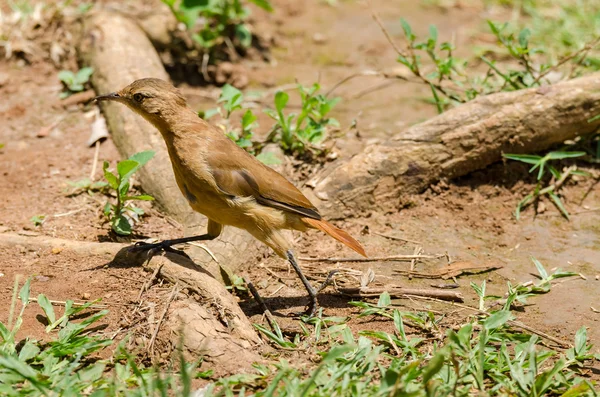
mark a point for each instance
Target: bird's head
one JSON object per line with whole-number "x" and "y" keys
{"x": 154, "y": 99}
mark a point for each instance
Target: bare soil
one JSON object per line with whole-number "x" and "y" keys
{"x": 470, "y": 219}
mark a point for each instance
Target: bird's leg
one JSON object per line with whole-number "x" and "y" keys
{"x": 312, "y": 294}
{"x": 166, "y": 244}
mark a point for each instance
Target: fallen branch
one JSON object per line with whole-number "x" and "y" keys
{"x": 457, "y": 142}
{"x": 454, "y": 269}
{"x": 399, "y": 258}
{"x": 74, "y": 304}
{"x": 397, "y": 238}
{"x": 366, "y": 292}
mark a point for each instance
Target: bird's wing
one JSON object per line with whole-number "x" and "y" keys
{"x": 238, "y": 173}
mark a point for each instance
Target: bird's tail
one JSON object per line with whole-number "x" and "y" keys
{"x": 336, "y": 233}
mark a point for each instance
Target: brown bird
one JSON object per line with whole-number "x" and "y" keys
{"x": 222, "y": 181}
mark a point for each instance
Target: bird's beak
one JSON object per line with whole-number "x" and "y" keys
{"x": 113, "y": 96}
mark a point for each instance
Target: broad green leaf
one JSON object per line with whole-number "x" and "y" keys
{"x": 91, "y": 373}
{"x": 66, "y": 76}
{"x": 210, "y": 113}
{"x": 110, "y": 177}
{"x": 29, "y": 350}
{"x": 123, "y": 189}
{"x": 76, "y": 87}
{"x": 125, "y": 169}
{"x": 407, "y": 29}
{"x": 47, "y": 308}
{"x": 524, "y": 37}
{"x": 268, "y": 158}
{"x": 230, "y": 94}
{"x": 244, "y": 143}
{"x": 497, "y": 319}
{"x": 143, "y": 157}
{"x": 107, "y": 207}
{"x": 84, "y": 74}
{"x": 264, "y": 4}
{"x": 243, "y": 34}
{"x": 121, "y": 225}
{"x": 248, "y": 119}
{"x": 281, "y": 100}
{"x": 142, "y": 197}
{"x": 384, "y": 300}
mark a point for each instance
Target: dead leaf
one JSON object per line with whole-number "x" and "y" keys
{"x": 99, "y": 131}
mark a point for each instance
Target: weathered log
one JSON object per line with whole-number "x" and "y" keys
{"x": 457, "y": 142}
{"x": 218, "y": 331}
{"x": 119, "y": 51}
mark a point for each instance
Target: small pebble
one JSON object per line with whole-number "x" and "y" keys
{"x": 86, "y": 296}
{"x": 319, "y": 38}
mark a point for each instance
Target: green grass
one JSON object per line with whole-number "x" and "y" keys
{"x": 545, "y": 187}
{"x": 484, "y": 355}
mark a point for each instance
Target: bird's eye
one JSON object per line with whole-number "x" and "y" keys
{"x": 138, "y": 97}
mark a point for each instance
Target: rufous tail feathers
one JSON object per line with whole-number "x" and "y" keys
{"x": 336, "y": 233}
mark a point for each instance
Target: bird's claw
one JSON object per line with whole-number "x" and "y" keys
{"x": 141, "y": 246}
{"x": 310, "y": 311}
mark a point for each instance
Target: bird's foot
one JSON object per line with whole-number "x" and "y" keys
{"x": 313, "y": 305}
{"x": 153, "y": 248}
{"x": 310, "y": 311}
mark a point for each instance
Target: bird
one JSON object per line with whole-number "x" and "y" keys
{"x": 223, "y": 181}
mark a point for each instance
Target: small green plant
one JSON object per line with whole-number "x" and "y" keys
{"x": 230, "y": 101}
{"x": 74, "y": 82}
{"x": 216, "y": 22}
{"x": 541, "y": 163}
{"x": 302, "y": 132}
{"x": 38, "y": 220}
{"x": 123, "y": 214}
{"x": 86, "y": 185}
{"x": 451, "y": 81}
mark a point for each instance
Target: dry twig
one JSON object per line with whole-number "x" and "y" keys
{"x": 162, "y": 317}
{"x": 397, "y": 238}
{"x": 399, "y": 258}
{"x": 148, "y": 283}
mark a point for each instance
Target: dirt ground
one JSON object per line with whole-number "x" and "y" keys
{"x": 470, "y": 219}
